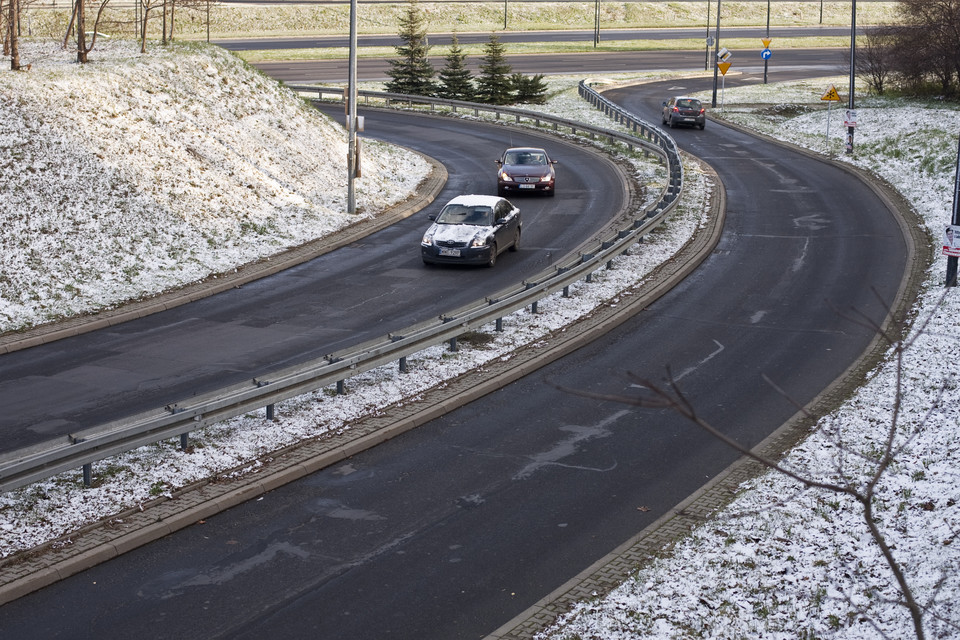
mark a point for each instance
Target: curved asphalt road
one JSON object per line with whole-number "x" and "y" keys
{"x": 452, "y": 529}
{"x": 357, "y": 293}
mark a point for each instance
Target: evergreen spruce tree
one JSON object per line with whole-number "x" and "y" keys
{"x": 412, "y": 73}
{"x": 456, "y": 81}
{"x": 493, "y": 84}
{"x": 529, "y": 90}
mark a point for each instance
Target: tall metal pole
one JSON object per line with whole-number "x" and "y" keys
{"x": 766, "y": 61}
{"x": 504, "y": 15}
{"x": 853, "y": 69}
{"x": 716, "y": 54}
{"x": 706, "y": 52}
{"x": 352, "y": 113}
{"x": 596, "y": 25}
{"x": 955, "y": 220}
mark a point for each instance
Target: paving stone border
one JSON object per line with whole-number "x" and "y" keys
{"x": 32, "y": 570}
{"x": 656, "y": 539}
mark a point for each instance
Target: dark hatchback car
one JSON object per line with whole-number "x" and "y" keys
{"x": 472, "y": 230}
{"x": 526, "y": 169}
{"x": 683, "y": 110}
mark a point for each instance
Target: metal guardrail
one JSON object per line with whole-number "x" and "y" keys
{"x": 81, "y": 449}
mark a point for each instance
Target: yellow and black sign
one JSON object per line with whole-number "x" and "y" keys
{"x": 831, "y": 95}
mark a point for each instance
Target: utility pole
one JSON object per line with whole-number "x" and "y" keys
{"x": 352, "y": 114}
{"x": 716, "y": 56}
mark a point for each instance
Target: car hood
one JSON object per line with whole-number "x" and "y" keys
{"x": 461, "y": 233}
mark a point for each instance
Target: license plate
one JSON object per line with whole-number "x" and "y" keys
{"x": 450, "y": 253}
{"x": 528, "y": 186}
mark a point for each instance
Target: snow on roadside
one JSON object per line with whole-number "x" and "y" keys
{"x": 784, "y": 562}
{"x": 138, "y": 173}
{"x": 48, "y": 509}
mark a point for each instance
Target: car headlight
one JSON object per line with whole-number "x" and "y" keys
{"x": 478, "y": 241}
{"x": 427, "y": 240}
{"x": 547, "y": 178}
{"x": 505, "y": 176}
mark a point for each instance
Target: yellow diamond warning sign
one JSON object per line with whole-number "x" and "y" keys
{"x": 831, "y": 95}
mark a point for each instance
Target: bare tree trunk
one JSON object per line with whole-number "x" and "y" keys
{"x": 13, "y": 22}
{"x": 81, "y": 33}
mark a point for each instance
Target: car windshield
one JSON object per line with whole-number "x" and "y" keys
{"x": 479, "y": 215}
{"x": 525, "y": 157}
{"x": 688, "y": 104}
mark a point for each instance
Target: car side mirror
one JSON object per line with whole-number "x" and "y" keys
{"x": 432, "y": 216}
{"x": 499, "y": 163}
{"x": 663, "y": 104}
{"x": 554, "y": 162}
{"x": 500, "y": 221}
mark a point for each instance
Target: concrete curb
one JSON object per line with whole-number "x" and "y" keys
{"x": 426, "y": 192}
{"x": 657, "y": 538}
{"x": 101, "y": 541}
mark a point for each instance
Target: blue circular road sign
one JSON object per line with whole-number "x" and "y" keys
{"x": 766, "y": 53}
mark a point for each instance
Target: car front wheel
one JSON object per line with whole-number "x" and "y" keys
{"x": 493, "y": 255}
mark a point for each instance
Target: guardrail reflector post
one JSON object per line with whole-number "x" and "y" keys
{"x": 87, "y": 474}
{"x": 341, "y": 389}
{"x": 403, "y": 364}
{"x": 566, "y": 291}
{"x": 499, "y": 324}
{"x": 533, "y": 307}
{"x": 453, "y": 344}
{"x": 270, "y": 412}
{"x": 184, "y": 441}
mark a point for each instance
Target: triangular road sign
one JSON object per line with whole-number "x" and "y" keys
{"x": 831, "y": 95}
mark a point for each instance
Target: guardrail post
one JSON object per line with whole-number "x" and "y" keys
{"x": 566, "y": 291}
{"x": 341, "y": 389}
{"x": 533, "y": 307}
{"x": 499, "y": 326}
{"x": 87, "y": 474}
{"x": 453, "y": 344}
{"x": 403, "y": 364}
{"x": 184, "y": 441}
{"x": 270, "y": 412}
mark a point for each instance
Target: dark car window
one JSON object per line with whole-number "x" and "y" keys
{"x": 689, "y": 104}
{"x": 463, "y": 214}
{"x": 525, "y": 158}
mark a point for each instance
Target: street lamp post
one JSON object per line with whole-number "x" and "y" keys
{"x": 853, "y": 71}
{"x": 352, "y": 113}
{"x": 706, "y": 53}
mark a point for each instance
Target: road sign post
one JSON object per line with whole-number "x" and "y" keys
{"x": 955, "y": 220}
{"x": 830, "y": 96}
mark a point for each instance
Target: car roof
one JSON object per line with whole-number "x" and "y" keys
{"x": 686, "y": 98}
{"x": 472, "y": 200}
{"x": 528, "y": 149}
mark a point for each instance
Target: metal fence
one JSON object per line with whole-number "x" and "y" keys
{"x": 80, "y": 450}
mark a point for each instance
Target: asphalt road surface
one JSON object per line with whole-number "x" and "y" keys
{"x": 511, "y": 37}
{"x": 813, "y": 62}
{"x": 456, "y": 527}
{"x": 363, "y": 291}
